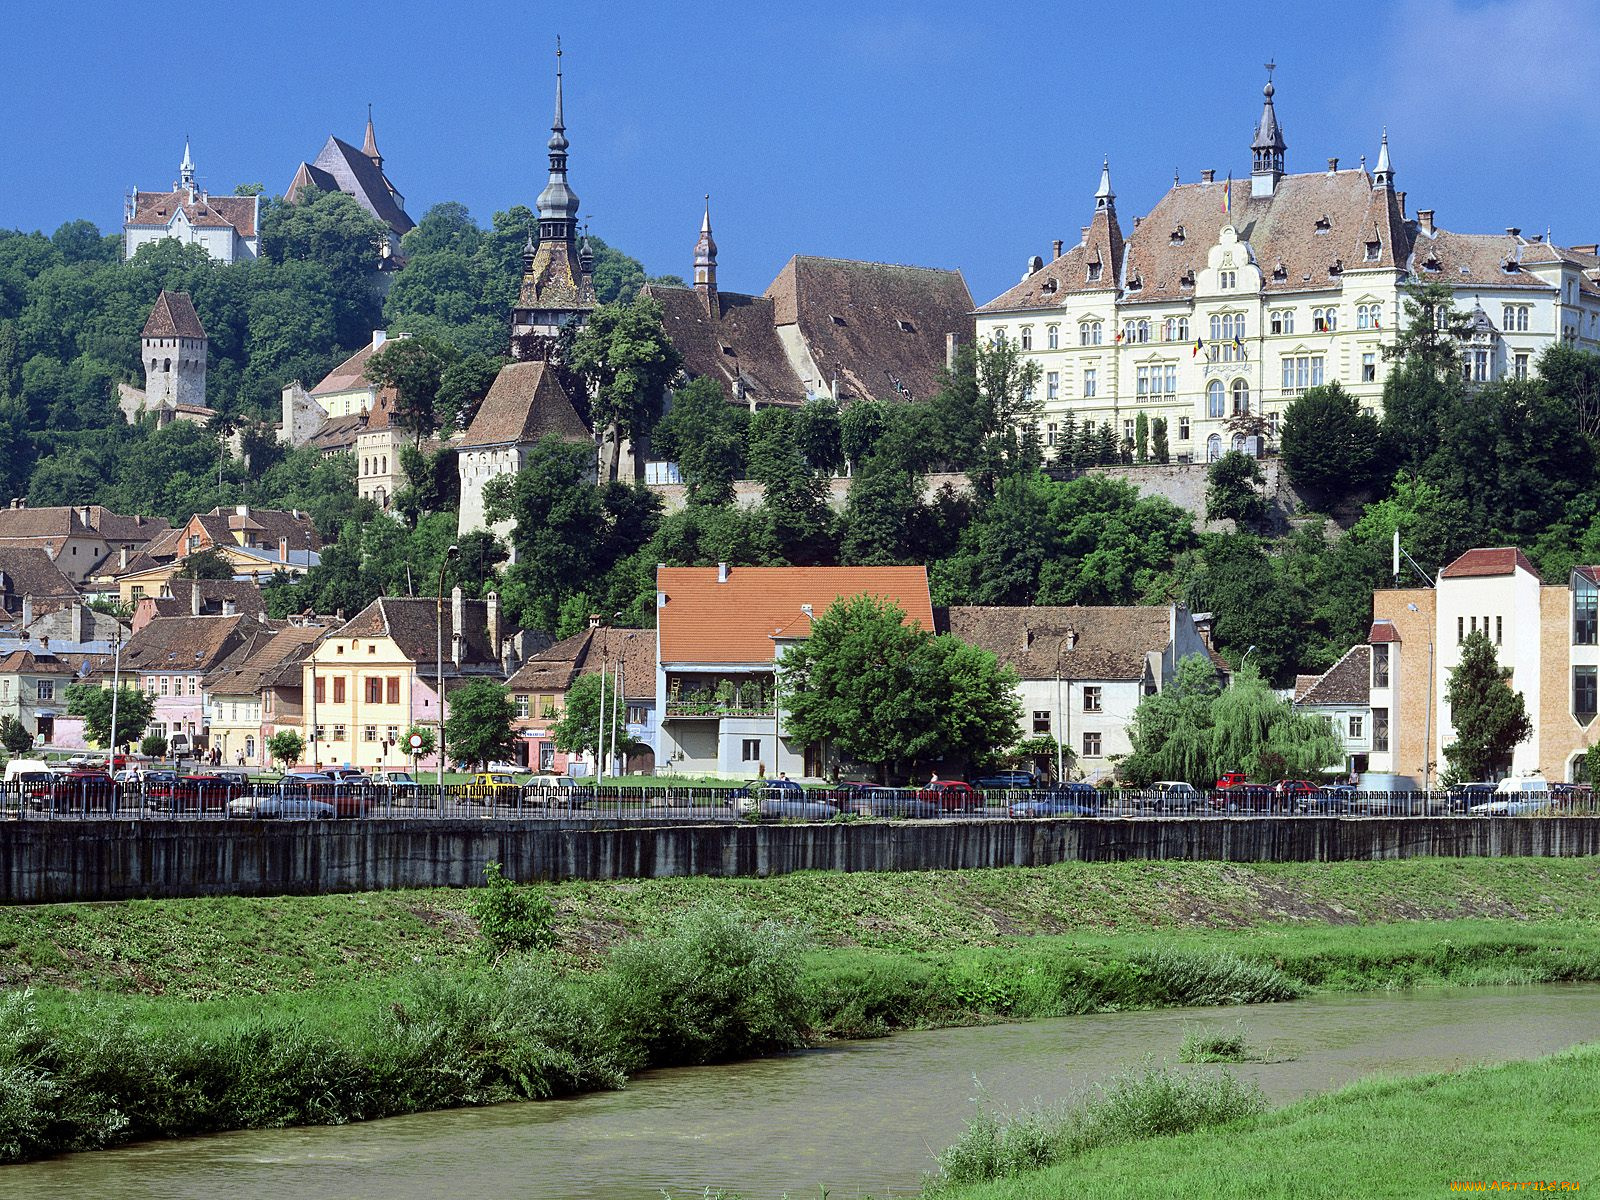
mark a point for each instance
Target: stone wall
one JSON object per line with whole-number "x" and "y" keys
{"x": 46, "y": 861}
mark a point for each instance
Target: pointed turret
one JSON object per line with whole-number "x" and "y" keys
{"x": 1104, "y": 197}
{"x": 369, "y": 147}
{"x": 1268, "y": 147}
{"x": 705, "y": 263}
{"x": 558, "y": 203}
{"x": 186, "y": 167}
{"x": 1383, "y": 173}
{"x": 1103, "y": 238}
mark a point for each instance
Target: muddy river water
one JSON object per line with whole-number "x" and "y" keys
{"x": 857, "y": 1117}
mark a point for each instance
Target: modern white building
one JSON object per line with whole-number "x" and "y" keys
{"x": 224, "y": 226}
{"x": 1235, "y": 295}
{"x": 1083, "y": 669}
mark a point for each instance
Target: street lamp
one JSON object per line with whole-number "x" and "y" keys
{"x": 438, "y": 613}
{"x": 116, "y": 682}
{"x": 1246, "y": 657}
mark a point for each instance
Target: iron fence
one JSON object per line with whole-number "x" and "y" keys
{"x": 76, "y": 798}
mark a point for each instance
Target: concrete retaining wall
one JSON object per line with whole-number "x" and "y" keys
{"x": 117, "y": 860}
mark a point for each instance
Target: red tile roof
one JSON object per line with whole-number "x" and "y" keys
{"x": 1499, "y": 560}
{"x": 525, "y": 403}
{"x": 1383, "y": 631}
{"x": 202, "y": 211}
{"x": 1344, "y": 683}
{"x": 173, "y": 316}
{"x": 704, "y": 621}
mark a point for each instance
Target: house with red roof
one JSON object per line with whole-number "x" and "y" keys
{"x": 224, "y": 226}
{"x": 720, "y": 633}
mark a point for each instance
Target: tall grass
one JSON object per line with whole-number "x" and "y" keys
{"x": 1148, "y": 1101}
{"x": 1202, "y": 1044}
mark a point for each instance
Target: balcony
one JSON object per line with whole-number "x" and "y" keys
{"x": 745, "y": 696}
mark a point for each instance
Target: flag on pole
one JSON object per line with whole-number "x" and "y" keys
{"x": 1198, "y": 346}
{"x": 1227, "y": 196}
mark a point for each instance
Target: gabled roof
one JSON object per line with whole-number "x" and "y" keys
{"x": 244, "y": 594}
{"x": 1499, "y": 560}
{"x": 349, "y": 375}
{"x": 734, "y": 622}
{"x": 741, "y": 342}
{"x": 84, "y": 520}
{"x": 412, "y": 622}
{"x": 29, "y": 662}
{"x": 878, "y": 328}
{"x": 557, "y": 667}
{"x": 29, "y": 571}
{"x": 1382, "y": 631}
{"x": 173, "y": 316}
{"x": 1492, "y": 260}
{"x": 186, "y": 644}
{"x": 1107, "y": 642}
{"x": 342, "y": 167}
{"x": 525, "y": 403}
{"x": 156, "y": 209}
{"x": 1345, "y": 683}
{"x": 262, "y": 658}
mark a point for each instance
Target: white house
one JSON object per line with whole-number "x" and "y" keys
{"x": 224, "y": 226}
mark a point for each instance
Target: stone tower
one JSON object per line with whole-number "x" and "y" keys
{"x": 557, "y": 286}
{"x": 174, "y": 354}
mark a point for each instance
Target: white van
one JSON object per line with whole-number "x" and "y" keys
{"x": 1516, "y": 796}
{"x": 19, "y": 767}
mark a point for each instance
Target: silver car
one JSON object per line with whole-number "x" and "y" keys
{"x": 289, "y": 803}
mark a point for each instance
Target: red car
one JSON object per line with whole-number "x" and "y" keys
{"x": 952, "y": 795}
{"x": 201, "y": 793}
{"x": 1232, "y": 779}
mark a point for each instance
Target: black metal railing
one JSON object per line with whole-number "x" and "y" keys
{"x": 69, "y": 798}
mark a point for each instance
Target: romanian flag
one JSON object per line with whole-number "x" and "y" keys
{"x": 1119, "y": 339}
{"x": 1198, "y": 346}
{"x": 1227, "y": 196}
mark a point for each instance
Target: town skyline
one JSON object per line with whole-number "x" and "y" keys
{"x": 881, "y": 119}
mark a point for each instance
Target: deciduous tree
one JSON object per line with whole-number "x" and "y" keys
{"x": 1329, "y": 442}
{"x": 135, "y": 708}
{"x": 581, "y": 724}
{"x": 478, "y": 729}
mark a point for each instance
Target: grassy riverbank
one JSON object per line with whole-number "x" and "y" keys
{"x": 225, "y": 946}
{"x": 1521, "y": 1122}
{"x": 173, "y": 1017}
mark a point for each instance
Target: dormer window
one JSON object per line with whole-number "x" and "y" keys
{"x": 1373, "y": 250}
{"x": 1187, "y": 278}
{"x": 1280, "y": 272}
{"x": 1324, "y": 223}
{"x": 1178, "y": 236}
{"x": 1049, "y": 287}
{"x": 1094, "y": 272}
{"x": 730, "y": 352}
{"x": 1227, "y": 280}
{"x": 1136, "y": 283}
{"x": 836, "y": 318}
{"x": 906, "y": 327}
{"x": 1336, "y": 267}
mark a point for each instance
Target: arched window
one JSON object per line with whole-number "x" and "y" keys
{"x": 1214, "y": 399}
{"x": 1027, "y": 337}
{"x": 1241, "y": 398}
{"x": 166, "y": 364}
{"x": 1239, "y": 442}
{"x": 1052, "y": 337}
{"x": 1089, "y": 333}
{"x": 1213, "y": 448}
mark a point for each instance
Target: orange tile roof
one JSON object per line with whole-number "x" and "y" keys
{"x": 733, "y": 622}
{"x": 1497, "y": 560}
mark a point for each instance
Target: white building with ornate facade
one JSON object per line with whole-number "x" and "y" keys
{"x": 224, "y": 226}
{"x": 1234, "y": 296}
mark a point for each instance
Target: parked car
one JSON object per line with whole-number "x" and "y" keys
{"x": 1169, "y": 796}
{"x": 952, "y": 795}
{"x": 1230, "y": 779}
{"x": 1573, "y": 798}
{"x": 1463, "y": 796}
{"x": 1005, "y": 781}
{"x": 785, "y": 806}
{"x": 157, "y": 787}
{"x": 895, "y": 802}
{"x": 1398, "y": 804}
{"x": 1290, "y": 791}
{"x": 1251, "y": 799}
{"x": 81, "y": 790}
{"x": 399, "y": 789}
{"x": 492, "y": 787}
{"x": 1065, "y": 800}
{"x": 558, "y": 791}
{"x": 747, "y": 800}
{"x": 201, "y": 794}
{"x": 1329, "y": 800}
{"x": 291, "y": 799}
{"x": 1517, "y": 797}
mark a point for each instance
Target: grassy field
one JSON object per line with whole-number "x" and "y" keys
{"x": 1522, "y": 1122}
{"x": 1302, "y": 913}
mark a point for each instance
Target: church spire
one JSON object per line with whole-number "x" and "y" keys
{"x": 370, "y": 146}
{"x": 558, "y": 204}
{"x": 1268, "y": 147}
{"x": 1383, "y": 173}
{"x": 705, "y": 263}
{"x": 1104, "y": 197}
{"x": 186, "y": 167}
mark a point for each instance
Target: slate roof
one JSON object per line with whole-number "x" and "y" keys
{"x": 29, "y": 571}
{"x": 704, "y": 621}
{"x": 186, "y": 644}
{"x": 28, "y": 662}
{"x": 412, "y": 623}
{"x": 1500, "y": 560}
{"x": 888, "y": 341}
{"x": 201, "y": 210}
{"x": 341, "y": 167}
{"x": 524, "y": 404}
{"x": 741, "y": 342}
{"x": 557, "y": 667}
{"x": 173, "y": 316}
{"x": 1347, "y": 682}
{"x": 245, "y": 595}
{"x": 1111, "y": 641}
{"x": 263, "y": 659}
{"x": 338, "y": 433}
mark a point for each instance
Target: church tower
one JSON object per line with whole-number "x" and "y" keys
{"x": 557, "y": 287}
{"x": 173, "y": 346}
{"x": 1267, "y": 149}
{"x": 705, "y": 266}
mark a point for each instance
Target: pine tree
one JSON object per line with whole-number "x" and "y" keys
{"x": 1109, "y": 449}
{"x": 1159, "y": 451}
{"x": 1141, "y": 438}
{"x": 1489, "y": 716}
{"x": 1067, "y": 441}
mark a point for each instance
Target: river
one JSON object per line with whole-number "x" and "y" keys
{"x": 857, "y": 1117}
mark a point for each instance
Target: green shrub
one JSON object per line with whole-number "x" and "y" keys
{"x": 1205, "y": 1045}
{"x": 512, "y": 918}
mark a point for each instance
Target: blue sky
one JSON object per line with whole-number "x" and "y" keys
{"x": 935, "y": 133}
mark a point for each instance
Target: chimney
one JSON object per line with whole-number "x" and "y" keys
{"x": 379, "y": 337}
{"x": 1055, "y": 248}
{"x": 44, "y": 644}
{"x": 229, "y": 608}
{"x": 1513, "y": 231}
{"x": 1333, "y": 165}
{"x": 122, "y": 558}
{"x": 458, "y": 624}
{"x": 1400, "y": 199}
{"x": 1425, "y": 220}
{"x": 722, "y": 572}
{"x": 78, "y": 611}
{"x": 1136, "y": 221}
{"x": 1083, "y": 233}
{"x": 1027, "y": 639}
{"x": 594, "y": 620}
{"x": 1208, "y": 176}
{"x": 242, "y": 510}
{"x": 492, "y": 604}
{"x": 27, "y": 611}
{"x": 194, "y": 597}
{"x": 950, "y": 351}
{"x": 1072, "y": 639}
{"x": 83, "y": 514}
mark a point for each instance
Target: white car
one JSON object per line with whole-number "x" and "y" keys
{"x": 1516, "y": 798}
